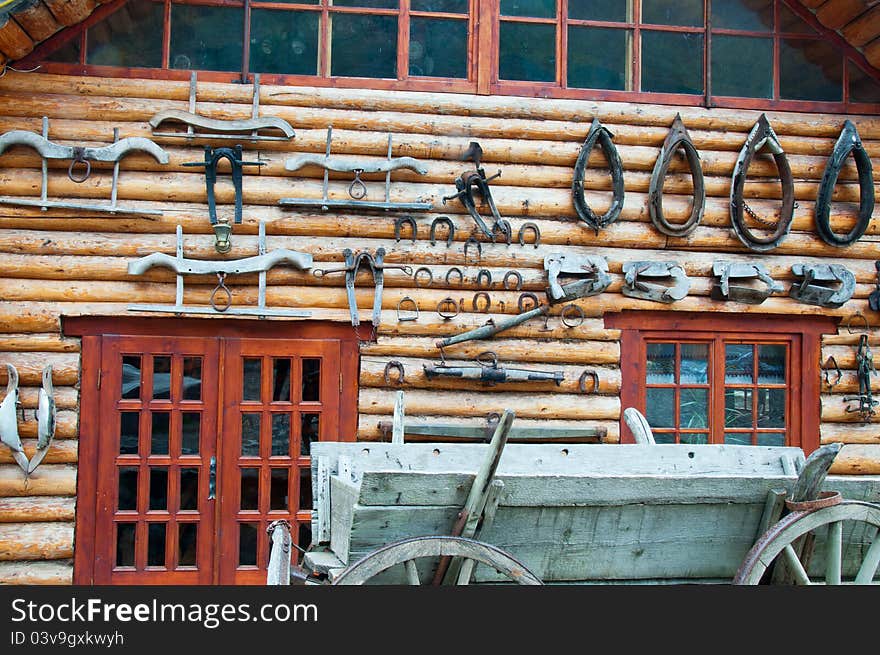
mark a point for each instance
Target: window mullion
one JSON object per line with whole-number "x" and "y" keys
{"x": 487, "y": 45}
{"x": 717, "y": 420}
{"x": 403, "y": 40}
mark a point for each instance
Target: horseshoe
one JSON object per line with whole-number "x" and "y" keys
{"x": 582, "y": 382}
{"x": 446, "y": 314}
{"x": 484, "y": 275}
{"x": 475, "y": 303}
{"x": 601, "y": 135}
{"x": 457, "y": 270}
{"x": 519, "y": 281}
{"x": 472, "y": 241}
{"x": 400, "y": 372}
{"x": 442, "y": 220}
{"x": 398, "y": 225}
{"x": 528, "y": 295}
{"x": 533, "y": 229}
{"x": 423, "y": 269}
{"x": 677, "y": 137}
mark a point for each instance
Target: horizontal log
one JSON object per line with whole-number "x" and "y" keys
{"x": 47, "y": 480}
{"x": 852, "y": 335}
{"x": 53, "y": 572}
{"x": 859, "y": 433}
{"x": 65, "y": 366}
{"x": 857, "y": 460}
{"x": 848, "y": 384}
{"x": 36, "y": 19}
{"x": 71, "y": 12}
{"x": 834, "y": 410}
{"x": 36, "y": 541}
{"x": 62, "y": 451}
{"x": 66, "y": 425}
{"x": 526, "y": 405}
{"x": 845, "y": 356}
{"x": 44, "y": 508}
{"x": 65, "y": 397}
{"x": 14, "y": 41}
{"x": 38, "y": 342}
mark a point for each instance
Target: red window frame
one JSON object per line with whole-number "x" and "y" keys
{"x": 804, "y": 352}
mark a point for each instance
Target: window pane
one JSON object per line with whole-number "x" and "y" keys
{"x": 738, "y": 439}
{"x": 247, "y": 544}
{"x": 619, "y": 11}
{"x": 664, "y": 437}
{"x": 673, "y": 12}
{"x": 189, "y": 488}
{"x": 771, "y": 408}
{"x": 192, "y": 378}
{"x": 284, "y": 41}
{"x": 310, "y": 428}
{"x": 694, "y": 408}
{"x": 694, "y": 363}
{"x": 753, "y": 15}
{"x": 739, "y": 363}
{"x": 672, "y": 62}
{"x": 810, "y": 70}
{"x": 305, "y": 489}
{"x": 281, "y": 379}
{"x": 738, "y": 408}
{"x": 862, "y": 88}
{"x": 528, "y": 52}
{"x": 159, "y": 434}
{"x": 598, "y": 58}
{"x": 130, "y": 37}
{"x": 186, "y": 543}
{"x": 438, "y": 48}
{"x": 251, "y": 379}
{"x": 534, "y": 8}
{"x": 156, "y": 544}
{"x": 791, "y": 22}
{"x": 281, "y": 434}
{"x": 742, "y": 66}
{"x": 201, "y": 37}
{"x": 311, "y": 380}
{"x": 250, "y": 488}
{"x": 128, "y": 488}
{"x": 131, "y": 376}
{"x": 661, "y": 363}
{"x": 372, "y": 4}
{"x": 250, "y": 435}
{"x": 660, "y": 410}
{"x": 771, "y": 438}
{"x": 191, "y": 428}
{"x": 159, "y": 487}
{"x": 449, "y": 6}
{"x": 162, "y": 378}
{"x": 771, "y": 364}
{"x": 364, "y": 46}
{"x": 129, "y": 432}
{"x": 68, "y": 53}
{"x": 278, "y": 496}
{"x": 694, "y": 437}
{"x": 125, "y": 535}
{"x": 304, "y": 535}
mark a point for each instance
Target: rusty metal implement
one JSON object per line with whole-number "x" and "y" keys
{"x": 678, "y": 137}
{"x": 472, "y": 181}
{"x": 489, "y": 372}
{"x": 601, "y": 136}
{"x": 724, "y": 290}
{"x": 491, "y": 328}
{"x": 642, "y": 280}
{"x": 588, "y": 274}
{"x": 826, "y": 285}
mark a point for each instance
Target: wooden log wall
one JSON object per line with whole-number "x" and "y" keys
{"x": 70, "y": 263}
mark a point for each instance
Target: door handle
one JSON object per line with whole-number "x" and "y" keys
{"x": 212, "y": 479}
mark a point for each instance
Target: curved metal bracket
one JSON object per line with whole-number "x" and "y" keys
{"x": 590, "y": 275}
{"x": 401, "y": 317}
{"x": 723, "y": 290}
{"x": 231, "y": 127}
{"x": 398, "y": 226}
{"x": 825, "y": 285}
{"x": 601, "y": 135}
{"x": 340, "y": 165}
{"x": 848, "y": 142}
{"x": 442, "y": 220}
{"x": 111, "y": 153}
{"x": 826, "y": 367}
{"x": 212, "y": 158}
{"x": 636, "y": 285}
{"x": 678, "y": 137}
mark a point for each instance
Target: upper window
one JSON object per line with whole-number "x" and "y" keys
{"x": 748, "y": 53}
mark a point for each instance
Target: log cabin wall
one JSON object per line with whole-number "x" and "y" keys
{"x": 68, "y": 263}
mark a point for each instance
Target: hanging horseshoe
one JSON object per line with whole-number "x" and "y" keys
{"x": 442, "y": 220}
{"x": 518, "y": 281}
{"x": 503, "y": 228}
{"x": 601, "y": 135}
{"x": 529, "y": 227}
{"x": 475, "y": 303}
{"x": 582, "y": 382}
{"x": 394, "y": 364}
{"x": 429, "y": 277}
{"x": 484, "y": 275}
{"x": 678, "y": 137}
{"x": 762, "y": 136}
{"x": 399, "y": 223}
{"x": 848, "y": 142}
{"x": 521, "y": 302}
{"x": 457, "y": 271}
{"x": 472, "y": 242}
{"x": 448, "y": 308}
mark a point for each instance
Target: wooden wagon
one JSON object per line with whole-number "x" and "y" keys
{"x": 583, "y": 513}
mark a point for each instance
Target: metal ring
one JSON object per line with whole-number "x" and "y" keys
{"x": 455, "y": 269}
{"x": 534, "y": 229}
{"x": 475, "y": 302}
{"x": 446, "y": 302}
{"x": 484, "y": 274}
{"x": 415, "y": 305}
{"x": 519, "y": 281}
{"x": 825, "y": 499}
{"x": 357, "y": 189}
{"x": 528, "y": 295}
{"x": 859, "y": 315}
{"x": 480, "y": 359}
{"x": 566, "y": 315}
{"x": 400, "y": 372}
{"x": 85, "y": 176}
{"x": 582, "y": 382}
{"x": 423, "y": 269}
{"x": 221, "y": 286}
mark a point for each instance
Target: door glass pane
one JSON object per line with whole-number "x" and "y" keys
{"x": 694, "y": 408}
{"x": 533, "y": 8}
{"x": 284, "y": 42}
{"x": 279, "y": 492}
{"x": 738, "y": 408}
{"x": 250, "y": 435}
{"x": 251, "y": 376}
{"x": 437, "y": 47}
{"x": 694, "y": 363}
{"x": 281, "y": 379}
{"x": 192, "y": 378}
{"x": 131, "y": 376}
{"x": 862, "y": 87}
{"x": 304, "y": 535}
{"x": 742, "y": 66}
{"x": 673, "y": 12}
{"x": 364, "y": 46}
{"x": 810, "y": 70}
{"x": 187, "y": 535}
{"x": 609, "y": 10}
{"x": 158, "y": 487}
{"x": 738, "y": 438}
{"x": 598, "y": 58}
{"x": 310, "y": 429}
{"x": 247, "y": 544}
{"x": 771, "y": 364}
{"x": 250, "y": 488}
{"x": 311, "y": 380}
{"x": 660, "y": 410}
{"x": 125, "y": 544}
{"x": 159, "y": 433}
{"x": 189, "y": 489}
{"x": 694, "y": 437}
{"x": 672, "y": 62}
{"x": 771, "y": 438}
{"x": 156, "y": 544}
{"x": 660, "y": 363}
{"x": 751, "y": 15}
{"x": 129, "y": 432}
{"x": 664, "y": 437}
{"x": 201, "y": 37}
{"x": 281, "y": 434}
{"x": 305, "y": 488}
{"x": 771, "y": 408}
{"x": 189, "y": 444}
{"x": 739, "y": 363}
{"x": 528, "y": 52}
{"x": 162, "y": 377}
{"x": 447, "y": 6}
{"x": 128, "y": 488}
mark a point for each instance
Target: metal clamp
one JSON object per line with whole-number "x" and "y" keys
{"x": 518, "y": 278}
{"x": 472, "y": 181}
{"x": 456, "y": 270}
{"x": 400, "y": 308}
{"x": 476, "y": 304}
{"x": 473, "y": 242}
{"x": 442, "y": 220}
{"x": 484, "y": 275}
{"x": 394, "y": 364}
{"x": 582, "y": 382}
{"x": 398, "y": 225}
{"x": 447, "y": 314}
{"x": 423, "y": 269}
{"x": 569, "y": 311}
{"x": 529, "y": 227}
{"x": 521, "y": 301}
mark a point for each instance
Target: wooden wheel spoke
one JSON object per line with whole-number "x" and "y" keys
{"x": 834, "y": 561}
{"x": 412, "y": 574}
{"x": 794, "y": 564}
{"x": 869, "y": 565}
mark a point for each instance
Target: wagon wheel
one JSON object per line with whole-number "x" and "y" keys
{"x": 782, "y": 539}
{"x": 407, "y": 551}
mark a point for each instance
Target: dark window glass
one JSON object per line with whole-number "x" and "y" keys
{"x": 68, "y": 53}
{"x": 131, "y": 376}
{"x": 528, "y": 52}
{"x": 363, "y": 46}
{"x": 189, "y": 489}
{"x": 739, "y": 363}
{"x": 771, "y": 364}
{"x": 251, "y": 379}
{"x": 438, "y": 48}
{"x": 598, "y": 58}
{"x": 158, "y": 487}
{"x": 694, "y": 363}
{"x": 129, "y": 37}
{"x": 738, "y": 439}
{"x": 310, "y": 429}
{"x": 162, "y": 377}
{"x": 192, "y": 378}
{"x": 311, "y": 380}
{"x": 673, "y": 12}
{"x": 128, "y": 488}
{"x": 448, "y": 6}
{"x": 305, "y": 488}
{"x": 201, "y": 37}
{"x": 250, "y": 435}
{"x": 281, "y": 434}
{"x": 247, "y": 544}
{"x": 284, "y": 41}
{"x": 660, "y": 363}
{"x": 281, "y": 379}
{"x": 534, "y": 8}
{"x": 611, "y": 10}
{"x": 660, "y": 407}
{"x": 672, "y": 62}
{"x": 156, "y": 544}
{"x": 737, "y": 408}
{"x": 791, "y": 23}
{"x": 752, "y": 15}
{"x": 693, "y": 408}
{"x": 191, "y": 428}
{"x": 159, "y": 434}
{"x": 742, "y": 66}
{"x": 125, "y": 536}
{"x": 129, "y": 432}
{"x": 278, "y": 496}
{"x": 771, "y": 408}
{"x": 187, "y": 543}
{"x": 771, "y": 438}
{"x": 304, "y": 535}
{"x": 862, "y": 87}
{"x": 695, "y": 437}
{"x": 810, "y": 70}
{"x": 250, "y": 488}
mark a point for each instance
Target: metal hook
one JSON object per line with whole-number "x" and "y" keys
{"x": 221, "y": 286}
{"x": 857, "y": 315}
{"x": 357, "y": 189}
{"x": 79, "y": 158}
{"x": 481, "y": 359}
